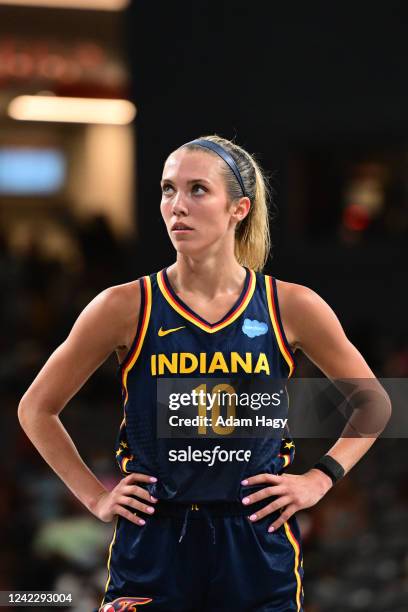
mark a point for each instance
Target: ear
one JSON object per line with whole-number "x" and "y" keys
{"x": 240, "y": 209}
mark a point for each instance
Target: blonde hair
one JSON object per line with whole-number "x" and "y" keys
{"x": 252, "y": 236}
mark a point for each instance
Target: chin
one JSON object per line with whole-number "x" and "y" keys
{"x": 185, "y": 249}
{"x": 189, "y": 251}
{"x": 192, "y": 248}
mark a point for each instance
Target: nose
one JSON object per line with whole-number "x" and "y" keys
{"x": 179, "y": 205}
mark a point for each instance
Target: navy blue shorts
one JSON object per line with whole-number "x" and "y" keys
{"x": 211, "y": 558}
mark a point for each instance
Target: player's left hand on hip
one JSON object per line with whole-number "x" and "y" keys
{"x": 291, "y": 492}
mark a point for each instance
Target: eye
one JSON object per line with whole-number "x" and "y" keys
{"x": 198, "y": 189}
{"x": 166, "y": 188}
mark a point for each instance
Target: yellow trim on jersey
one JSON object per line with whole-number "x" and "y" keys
{"x": 276, "y": 327}
{"x": 109, "y": 560}
{"x": 211, "y": 329}
{"x": 146, "y": 317}
{"x": 296, "y": 549}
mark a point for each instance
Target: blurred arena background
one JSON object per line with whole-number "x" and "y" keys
{"x": 319, "y": 92}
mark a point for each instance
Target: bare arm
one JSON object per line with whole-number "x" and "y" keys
{"x": 102, "y": 327}
{"x": 311, "y": 325}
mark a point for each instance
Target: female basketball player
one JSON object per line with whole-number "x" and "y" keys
{"x": 190, "y": 536}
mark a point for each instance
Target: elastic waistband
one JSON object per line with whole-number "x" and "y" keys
{"x": 203, "y": 510}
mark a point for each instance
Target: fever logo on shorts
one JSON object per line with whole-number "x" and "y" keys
{"x": 125, "y": 604}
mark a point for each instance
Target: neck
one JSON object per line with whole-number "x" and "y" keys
{"x": 208, "y": 277}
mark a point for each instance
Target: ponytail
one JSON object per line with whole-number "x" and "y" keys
{"x": 252, "y": 236}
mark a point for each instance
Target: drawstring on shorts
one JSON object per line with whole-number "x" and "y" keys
{"x": 184, "y": 527}
{"x": 210, "y": 522}
{"x": 206, "y": 512}
{"x": 208, "y": 517}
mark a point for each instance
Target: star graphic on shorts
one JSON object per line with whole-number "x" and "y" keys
{"x": 289, "y": 445}
{"x": 124, "y": 444}
{"x": 118, "y": 451}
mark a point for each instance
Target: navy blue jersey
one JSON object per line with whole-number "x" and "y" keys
{"x": 172, "y": 341}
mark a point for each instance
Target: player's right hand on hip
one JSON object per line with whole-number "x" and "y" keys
{"x": 121, "y": 500}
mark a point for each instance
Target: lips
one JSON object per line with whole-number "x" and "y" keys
{"x": 180, "y": 226}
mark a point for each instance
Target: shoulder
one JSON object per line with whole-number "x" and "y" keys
{"x": 118, "y": 307}
{"x": 302, "y": 310}
{"x": 120, "y": 295}
{"x": 293, "y": 296}
{"x": 311, "y": 326}
{"x": 119, "y": 298}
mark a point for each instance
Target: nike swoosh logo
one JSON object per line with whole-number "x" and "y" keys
{"x": 164, "y": 332}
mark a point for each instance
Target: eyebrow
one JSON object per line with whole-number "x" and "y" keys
{"x": 196, "y": 180}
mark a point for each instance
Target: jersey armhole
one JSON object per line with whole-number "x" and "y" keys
{"x": 144, "y": 315}
{"x": 274, "y": 311}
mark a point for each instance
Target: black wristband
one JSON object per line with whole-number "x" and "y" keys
{"x": 330, "y": 467}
